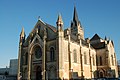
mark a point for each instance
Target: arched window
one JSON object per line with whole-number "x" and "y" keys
{"x": 26, "y": 58}
{"x": 85, "y": 58}
{"x": 52, "y": 54}
{"x": 93, "y": 60}
{"x": 38, "y": 52}
{"x": 96, "y": 60}
{"x": 100, "y": 60}
{"x": 112, "y": 60}
{"x": 75, "y": 55}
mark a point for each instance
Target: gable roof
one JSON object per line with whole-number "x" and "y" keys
{"x": 95, "y": 37}
{"x": 40, "y": 26}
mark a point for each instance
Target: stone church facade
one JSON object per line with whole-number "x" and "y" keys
{"x": 55, "y": 53}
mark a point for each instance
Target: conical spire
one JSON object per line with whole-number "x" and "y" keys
{"x": 75, "y": 16}
{"x": 59, "y": 20}
{"x": 105, "y": 38}
{"x": 22, "y": 34}
{"x": 59, "y": 23}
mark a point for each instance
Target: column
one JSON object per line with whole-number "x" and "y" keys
{"x": 90, "y": 60}
{"x": 19, "y": 63}
{"x": 43, "y": 56}
{"x": 29, "y": 66}
{"x": 81, "y": 60}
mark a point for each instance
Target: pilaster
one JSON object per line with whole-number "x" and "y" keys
{"x": 29, "y": 67}
{"x": 43, "y": 56}
{"x": 19, "y": 63}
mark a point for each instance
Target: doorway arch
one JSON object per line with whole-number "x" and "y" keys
{"x": 101, "y": 74}
{"x": 38, "y": 73}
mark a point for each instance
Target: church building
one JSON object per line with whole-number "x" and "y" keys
{"x": 52, "y": 52}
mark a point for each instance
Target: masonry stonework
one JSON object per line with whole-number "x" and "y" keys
{"x": 55, "y": 53}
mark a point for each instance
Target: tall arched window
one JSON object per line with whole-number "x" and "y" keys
{"x": 93, "y": 60}
{"x": 85, "y": 58}
{"x": 75, "y": 55}
{"x": 52, "y": 54}
{"x": 112, "y": 60}
{"x": 26, "y": 58}
{"x": 97, "y": 60}
{"x": 100, "y": 60}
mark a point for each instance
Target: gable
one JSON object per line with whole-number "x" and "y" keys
{"x": 95, "y": 37}
{"x": 39, "y": 29}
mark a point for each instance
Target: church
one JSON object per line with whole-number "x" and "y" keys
{"x": 52, "y": 52}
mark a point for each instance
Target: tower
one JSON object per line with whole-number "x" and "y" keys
{"x": 59, "y": 23}
{"x": 22, "y": 39}
{"x": 60, "y": 36}
{"x": 76, "y": 27}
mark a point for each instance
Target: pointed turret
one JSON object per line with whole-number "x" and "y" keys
{"x": 105, "y": 38}
{"x": 59, "y": 22}
{"x": 22, "y": 35}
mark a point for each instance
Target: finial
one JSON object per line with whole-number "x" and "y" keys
{"x": 74, "y": 3}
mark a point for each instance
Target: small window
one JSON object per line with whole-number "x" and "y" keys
{"x": 96, "y": 60}
{"x": 93, "y": 60}
{"x": 75, "y": 55}
{"x": 85, "y": 58}
{"x": 100, "y": 60}
{"x": 112, "y": 60}
{"x": 52, "y": 54}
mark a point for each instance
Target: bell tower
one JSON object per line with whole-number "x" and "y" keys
{"x": 76, "y": 27}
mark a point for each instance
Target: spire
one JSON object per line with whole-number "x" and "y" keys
{"x": 59, "y": 20}
{"x": 22, "y": 34}
{"x": 105, "y": 38}
{"x": 59, "y": 23}
{"x": 75, "y": 16}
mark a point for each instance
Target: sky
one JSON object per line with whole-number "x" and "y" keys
{"x": 96, "y": 16}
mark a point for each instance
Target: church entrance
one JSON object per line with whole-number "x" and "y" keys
{"x": 101, "y": 75}
{"x": 38, "y": 73}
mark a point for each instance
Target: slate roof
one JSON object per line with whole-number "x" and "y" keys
{"x": 98, "y": 45}
{"x": 75, "y": 16}
{"x": 52, "y": 27}
{"x": 95, "y": 37}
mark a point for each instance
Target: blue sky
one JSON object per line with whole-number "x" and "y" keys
{"x": 96, "y": 16}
